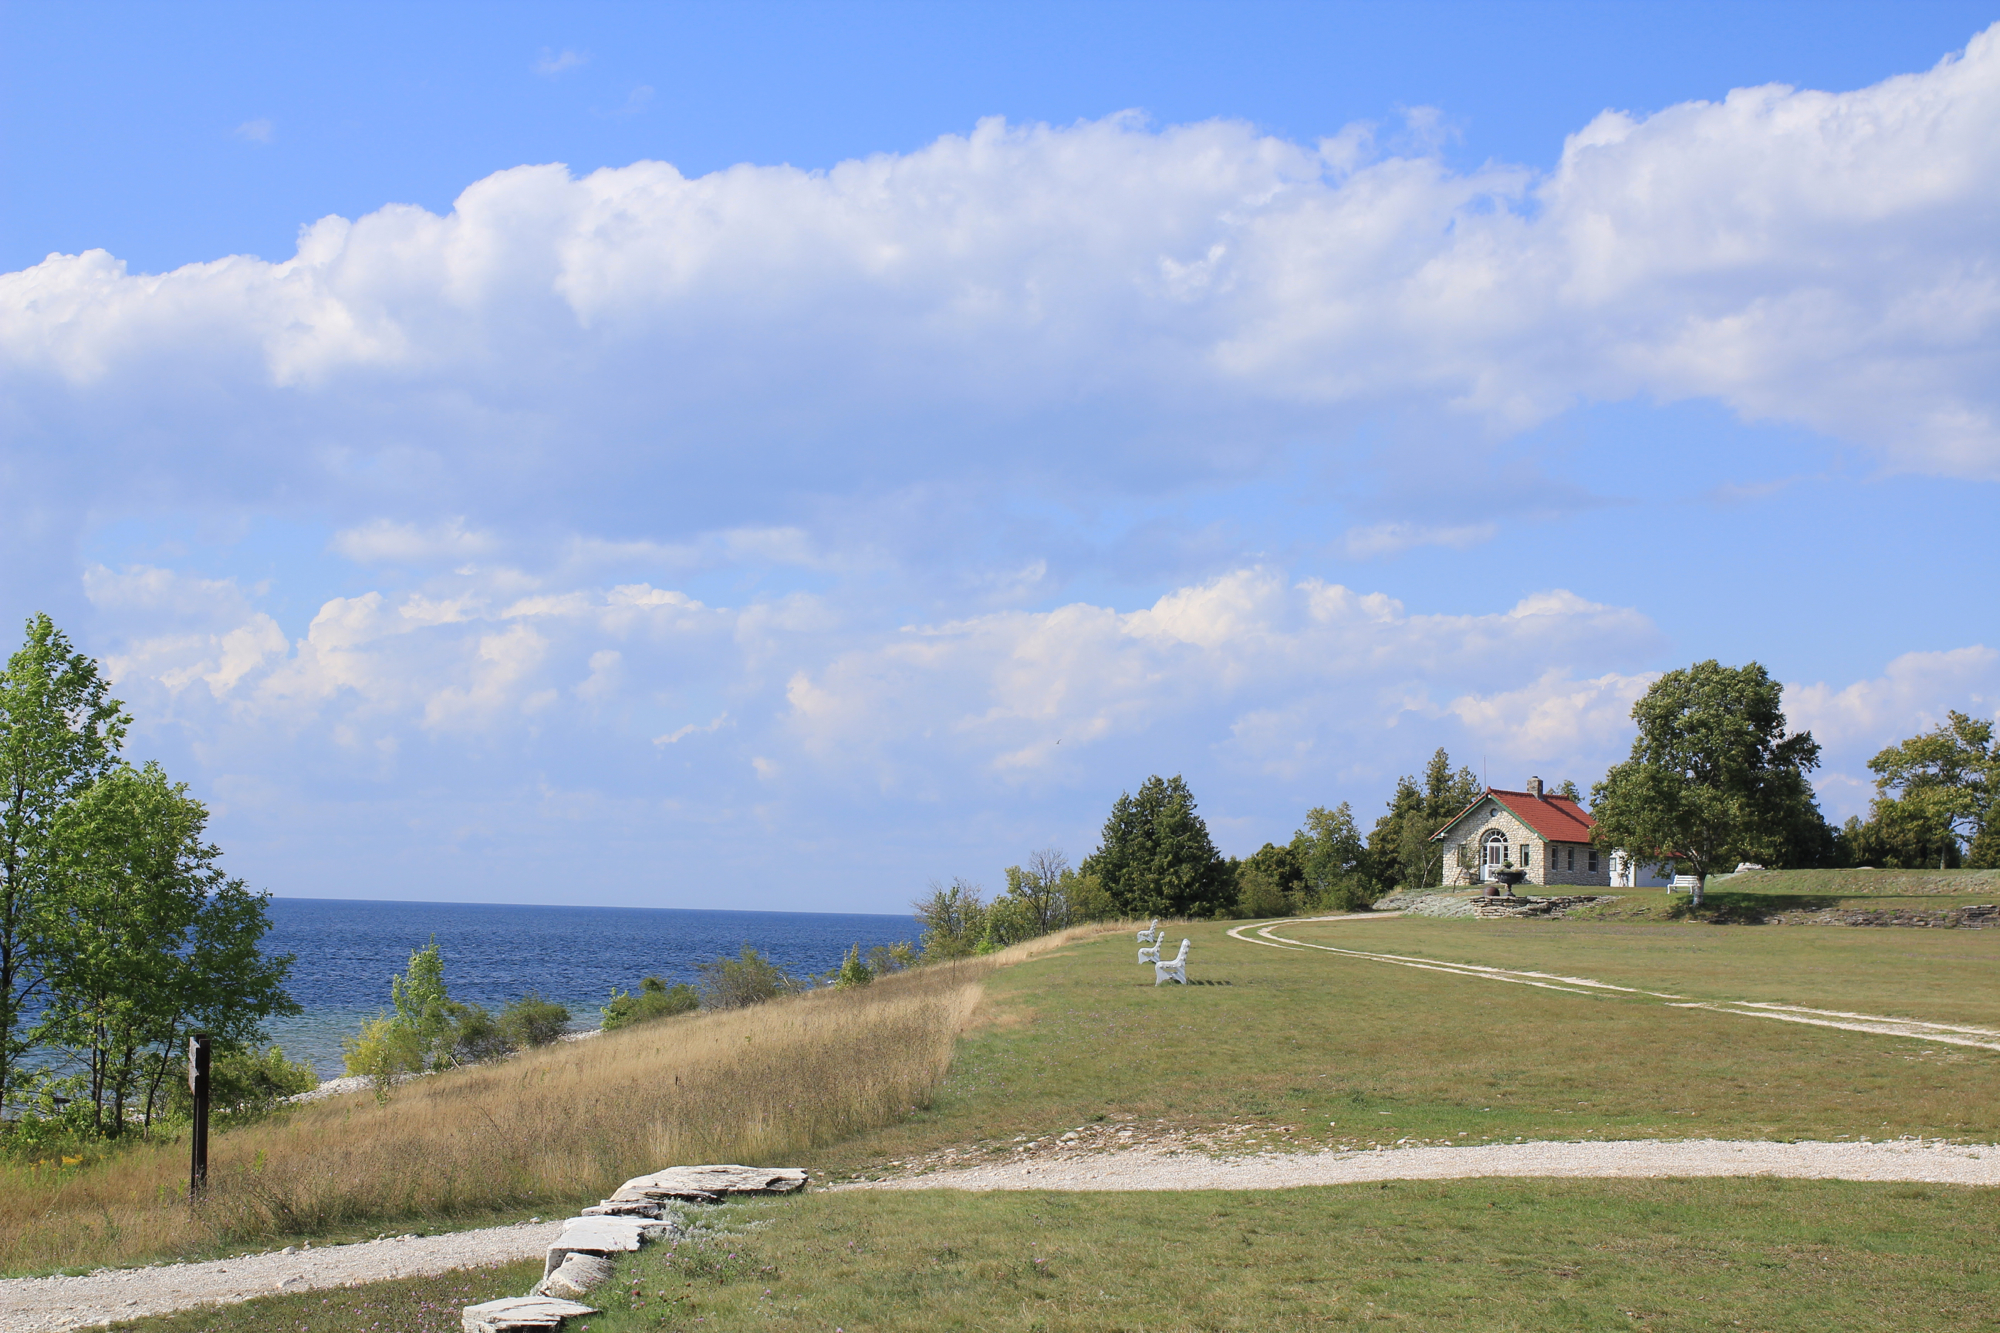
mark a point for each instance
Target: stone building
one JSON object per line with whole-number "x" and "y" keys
{"x": 1546, "y": 837}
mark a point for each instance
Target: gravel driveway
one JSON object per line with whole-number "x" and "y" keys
{"x": 1139, "y": 1169}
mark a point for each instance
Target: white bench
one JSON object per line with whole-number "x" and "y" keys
{"x": 1175, "y": 967}
{"x": 1152, "y": 935}
{"x": 1149, "y": 954}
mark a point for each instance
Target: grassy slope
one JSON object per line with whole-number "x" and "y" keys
{"x": 1663, "y": 1255}
{"x": 1867, "y": 883}
{"x": 1292, "y": 1041}
{"x": 1295, "y": 1041}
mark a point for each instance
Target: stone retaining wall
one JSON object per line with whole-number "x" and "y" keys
{"x": 1491, "y": 908}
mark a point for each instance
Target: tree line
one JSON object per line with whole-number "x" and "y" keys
{"x": 1714, "y": 777}
{"x": 120, "y": 934}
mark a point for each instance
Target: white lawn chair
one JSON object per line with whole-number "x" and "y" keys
{"x": 1149, "y": 954}
{"x": 1152, "y": 935}
{"x": 1175, "y": 967}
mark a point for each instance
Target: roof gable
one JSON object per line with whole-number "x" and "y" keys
{"x": 1551, "y": 818}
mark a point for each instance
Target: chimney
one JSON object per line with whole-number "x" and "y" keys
{"x": 1535, "y": 788}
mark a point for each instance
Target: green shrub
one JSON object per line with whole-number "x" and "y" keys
{"x": 853, "y": 972}
{"x": 737, "y": 983}
{"x": 655, "y": 999}
{"x": 533, "y": 1021}
{"x": 480, "y": 1036}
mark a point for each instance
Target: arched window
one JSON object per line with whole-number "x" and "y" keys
{"x": 1496, "y": 848}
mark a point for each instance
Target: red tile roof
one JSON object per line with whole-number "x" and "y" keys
{"x": 1554, "y": 818}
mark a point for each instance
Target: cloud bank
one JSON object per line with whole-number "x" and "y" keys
{"x": 672, "y": 532}
{"x": 1182, "y": 297}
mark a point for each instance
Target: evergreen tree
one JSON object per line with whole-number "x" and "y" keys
{"x": 1400, "y": 849}
{"x": 1156, "y": 858}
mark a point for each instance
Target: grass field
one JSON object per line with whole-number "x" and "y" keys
{"x": 1544, "y": 1256}
{"x": 1759, "y": 895}
{"x": 1983, "y": 884}
{"x": 1308, "y": 1049}
{"x": 1316, "y": 1050}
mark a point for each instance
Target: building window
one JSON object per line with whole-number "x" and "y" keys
{"x": 1496, "y": 848}
{"x": 1593, "y": 861}
{"x": 1526, "y": 854}
{"x": 1572, "y": 859}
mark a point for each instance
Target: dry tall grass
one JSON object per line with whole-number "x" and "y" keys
{"x": 536, "y": 1132}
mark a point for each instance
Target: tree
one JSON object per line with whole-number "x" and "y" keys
{"x": 1712, "y": 779}
{"x": 1401, "y": 852}
{"x": 953, "y": 919}
{"x": 1946, "y": 779}
{"x": 146, "y": 940}
{"x": 426, "y": 1031}
{"x": 1271, "y": 881}
{"x": 60, "y": 730}
{"x": 1156, "y": 858}
{"x": 1334, "y": 859}
{"x": 1039, "y": 887}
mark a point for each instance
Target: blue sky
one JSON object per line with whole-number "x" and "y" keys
{"x": 771, "y": 456}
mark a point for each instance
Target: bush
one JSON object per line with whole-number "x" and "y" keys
{"x": 656, "y": 999}
{"x": 737, "y": 983}
{"x": 480, "y": 1037}
{"x": 242, "y": 1085}
{"x": 853, "y": 972}
{"x": 533, "y": 1021}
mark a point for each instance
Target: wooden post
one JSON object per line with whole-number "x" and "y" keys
{"x": 198, "y": 1085}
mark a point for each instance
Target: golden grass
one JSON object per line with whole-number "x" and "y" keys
{"x": 535, "y": 1133}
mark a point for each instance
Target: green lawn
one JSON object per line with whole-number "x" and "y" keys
{"x": 1977, "y": 884}
{"x": 1542, "y": 1256}
{"x": 1322, "y": 1050}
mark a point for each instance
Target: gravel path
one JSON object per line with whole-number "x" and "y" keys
{"x": 1140, "y": 1169}
{"x": 54, "y": 1304}
{"x": 49, "y": 1304}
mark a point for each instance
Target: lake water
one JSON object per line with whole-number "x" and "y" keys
{"x": 346, "y": 951}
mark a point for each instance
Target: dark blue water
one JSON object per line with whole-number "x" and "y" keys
{"x": 347, "y": 951}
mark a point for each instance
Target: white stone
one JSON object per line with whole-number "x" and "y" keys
{"x": 602, "y": 1235}
{"x": 519, "y": 1314}
{"x": 707, "y": 1184}
{"x": 576, "y": 1276}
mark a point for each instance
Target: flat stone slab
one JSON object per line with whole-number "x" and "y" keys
{"x": 709, "y": 1184}
{"x": 638, "y": 1208}
{"x": 519, "y": 1314}
{"x": 602, "y": 1235}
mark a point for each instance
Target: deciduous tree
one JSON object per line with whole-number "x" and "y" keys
{"x": 1947, "y": 779}
{"x": 60, "y": 730}
{"x": 1713, "y": 777}
{"x": 145, "y": 940}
